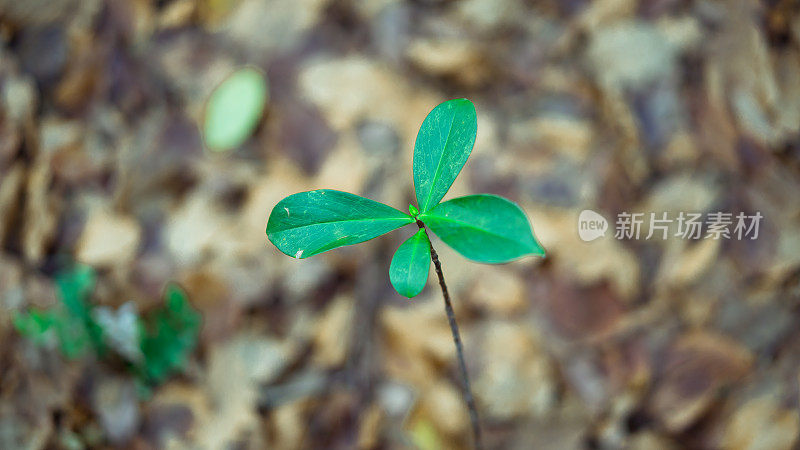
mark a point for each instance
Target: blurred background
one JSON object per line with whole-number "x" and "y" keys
{"x": 142, "y": 306}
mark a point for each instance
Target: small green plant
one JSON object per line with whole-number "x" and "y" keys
{"x": 484, "y": 228}
{"x": 167, "y": 336}
{"x": 155, "y": 346}
{"x": 70, "y": 324}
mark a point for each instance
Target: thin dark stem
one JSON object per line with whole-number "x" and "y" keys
{"x": 451, "y": 317}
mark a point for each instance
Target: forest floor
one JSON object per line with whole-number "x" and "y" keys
{"x": 616, "y": 106}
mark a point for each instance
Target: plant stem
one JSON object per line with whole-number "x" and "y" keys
{"x": 451, "y": 317}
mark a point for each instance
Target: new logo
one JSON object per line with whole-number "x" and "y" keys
{"x": 591, "y": 225}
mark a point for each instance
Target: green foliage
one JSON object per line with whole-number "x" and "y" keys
{"x": 234, "y": 109}
{"x": 36, "y": 324}
{"x": 485, "y": 228}
{"x": 304, "y": 224}
{"x": 168, "y": 336}
{"x": 425, "y": 436}
{"x": 68, "y": 324}
{"x": 76, "y": 286}
{"x": 443, "y": 145}
{"x": 411, "y": 264}
{"x": 164, "y": 340}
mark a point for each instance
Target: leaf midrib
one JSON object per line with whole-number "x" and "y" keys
{"x": 469, "y": 225}
{"x": 439, "y": 164}
{"x": 408, "y": 219}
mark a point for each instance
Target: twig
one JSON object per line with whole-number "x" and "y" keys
{"x": 451, "y": 317}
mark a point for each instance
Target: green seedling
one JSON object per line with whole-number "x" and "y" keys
{"x": 168, "y": 336}
{"x": 157, "y": 346}
{"x": 484, "y": 228}
{"x": 70, "y": 324}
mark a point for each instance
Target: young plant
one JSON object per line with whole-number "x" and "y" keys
{"x": 484, "y": 228}
{"x": 70, "y": 324}
{"x": 155, "y": 346}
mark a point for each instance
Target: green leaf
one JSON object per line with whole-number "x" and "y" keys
{"x": 35, "y": 324}
{"x": 76, "y": 328}
{"x": 74, "y": 337}
{"x": 54, "y": 325}
{"x": 304, "y": 224}
{"x": 234, "y": 109}
{"x": 75, "y": 285}
{"x": 169, "y": 335}
{"x": 411, "y": 264}
{"x": 485, "y": 228}
{"x": 425, "y": 436}
{"x": 443, "y": 145}
{"x": 69, "y": 324}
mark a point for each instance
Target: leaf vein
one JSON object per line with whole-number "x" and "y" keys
{"x": 439, "y": 164}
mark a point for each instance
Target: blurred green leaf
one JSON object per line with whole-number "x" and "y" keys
{"x": 485, "y": 228}
{"x": 166, "y": 337}
{"x": 411, "y": 264}
{"x": 73, "y": 337}
{"x": 234, "y": 109}
{"x": 443, "y": 145}
{"x": 70, "y": 323}
{"x": 75, "y": 286}
{"x": 425, "y": 436}
{"x": 35, "y": 324}
{"x": 56, "y": 325}
{"x": 78, "y": 328}
{"x": 169, "y": 335}
{"x": 304, "y": 224}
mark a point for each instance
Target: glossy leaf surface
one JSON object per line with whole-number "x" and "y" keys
{"x": 304, "y": 224}
{"x": 443, "y": 145}
{"x": 411, "y": 264}
{"x": 484, "y": 228}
